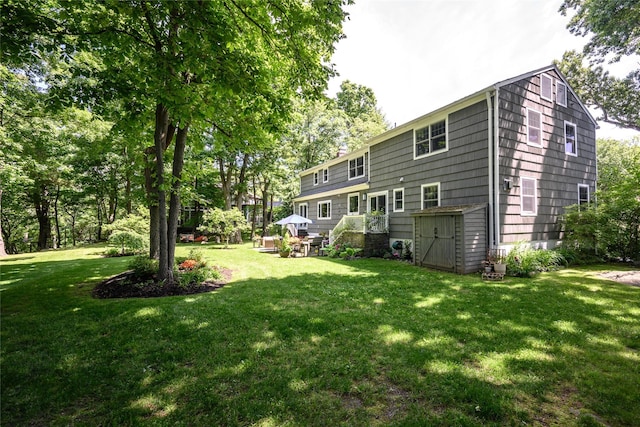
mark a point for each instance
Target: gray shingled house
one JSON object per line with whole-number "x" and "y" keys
{"x": 486, "y": 171}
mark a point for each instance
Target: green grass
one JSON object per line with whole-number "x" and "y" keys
{"x": 316, "y": 342}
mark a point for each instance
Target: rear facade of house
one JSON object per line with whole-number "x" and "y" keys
{"x": 522, "y": 149}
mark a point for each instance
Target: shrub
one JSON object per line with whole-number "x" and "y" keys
{"x": 129, "y": 242}
{"x": 143, "y": 266}
{"x": 524, "y": 261}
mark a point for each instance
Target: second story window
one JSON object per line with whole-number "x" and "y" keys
{"x": 315, "y": 178}
{"x": 570, "y": 139}
{"x": 561, "y": 93}
{"x": 356, "y": 167}
{"x": 430, "y": 139}
{"x": 546, "y": 87}
{"x": 325, "y": 175}
{"x": 534, "y": 128}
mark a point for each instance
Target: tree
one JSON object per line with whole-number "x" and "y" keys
{"x": 612, "y": 25}
{"x": 613, "y": 30}
{"x": 612, "y": 226}
{"x": 617, "y": 99}
{"x": 224, "y": 223}
{"x": 188, "y": 59}
{"x": 364, "y": 118}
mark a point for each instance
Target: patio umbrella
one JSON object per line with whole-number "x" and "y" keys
{"x": 294, "y": 219}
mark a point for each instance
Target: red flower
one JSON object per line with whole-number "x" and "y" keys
{"x": 189, "y": 264}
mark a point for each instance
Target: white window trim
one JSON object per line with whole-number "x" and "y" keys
{"x": 325, "y": 175}
{"x": 393, "y": 201}
{"x": 535, "y": 189}
{"x": 446, "y": 137}
{"x": 376, "y": 194}
{"x": 431, "y": 184}
{"x": 560, "y": 101}
{"x": 533, "y": 144}
{"x": 349, "y": 177}
{"x": 349, "y": 196}
{"x": 316, "y": 180}
{"x": 322, "y": 202}
{"x": 550, "y": 97}
{"x": 588, "y": 193}
{"x": 575, "y": 129}
{"x": 305, "y": 225}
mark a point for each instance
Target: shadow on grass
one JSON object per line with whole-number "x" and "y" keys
{"x": 363, "y": 343}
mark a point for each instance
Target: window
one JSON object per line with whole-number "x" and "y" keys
{"x": 534, "y": 128}
{"x": 325, "y": 175}
{"x": 378, "y": 202}
{"x": 356, "y": 167}
{"x": 303, "y": 210}
{"x": 430, "y": 139}
{"x": 561, "y": 93}
{"x": 315, "y": 178}
{"x": 398, "y": 200}
{"x": 583, "y": 194}
{"x": 528, "y": 196}
{"x": 546, "y": 87}
{"x": 354, "y": 204}
{"x": 570, "y": 139}
{"x": 324, "y": 209}
{"x": 430, "y": 195}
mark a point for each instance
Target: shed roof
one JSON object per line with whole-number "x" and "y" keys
{"x": 450, "y": 210}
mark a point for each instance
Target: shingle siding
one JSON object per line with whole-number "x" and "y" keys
{"x": 557, "y": 173}
{"x": 462, "y": 170}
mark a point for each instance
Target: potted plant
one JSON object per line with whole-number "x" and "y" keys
{"x": 285, "y": 248}
{"x": 499, "y": 265}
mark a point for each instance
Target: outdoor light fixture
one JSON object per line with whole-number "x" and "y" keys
{"x": 364, "y": 196}
{"x": 401, "y": 178}
{"x": 506, "y": 184}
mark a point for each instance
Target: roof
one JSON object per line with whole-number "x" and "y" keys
{"x": 454, "y": 106}
{"x": 450, "y": 210}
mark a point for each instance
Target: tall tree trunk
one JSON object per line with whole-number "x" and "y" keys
{"x": 151, "y": 187}
{"x": 165, "y": 272}
{"x": 56, "y": 218}
{"x": 41, "y": 204}
{"x": 254, "y": 209}
{"x": 152, "y": 200}
{"x": 225, "y": 181}
{"x": 3, "y": 251}
{"x": 174, "y": 203}
{"x": 265, "y": 196}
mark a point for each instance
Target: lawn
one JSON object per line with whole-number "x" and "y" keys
{"x": 316, "y": 342}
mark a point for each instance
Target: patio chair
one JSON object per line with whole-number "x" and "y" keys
{"x": 316, "y": 244}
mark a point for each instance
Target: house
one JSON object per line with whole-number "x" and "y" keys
{"x": 501, "y": 164}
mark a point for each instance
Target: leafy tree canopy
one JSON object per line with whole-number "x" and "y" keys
{"x": 613, "y": 28}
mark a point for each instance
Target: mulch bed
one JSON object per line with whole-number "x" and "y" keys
{"x": 128, "y": 285}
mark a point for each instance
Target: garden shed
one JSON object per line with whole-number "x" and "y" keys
{"x": 451, "y": 238}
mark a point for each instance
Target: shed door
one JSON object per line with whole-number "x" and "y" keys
{"x": 438, "y": 242}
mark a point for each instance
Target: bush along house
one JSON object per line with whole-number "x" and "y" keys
{"x": 484, "y": 172}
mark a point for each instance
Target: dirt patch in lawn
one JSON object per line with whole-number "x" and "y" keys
{"x": 628, "y": 277}
{"x": 128, "y": 285}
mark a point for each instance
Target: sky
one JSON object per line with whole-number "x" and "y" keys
{"x": 419, "y": 55}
